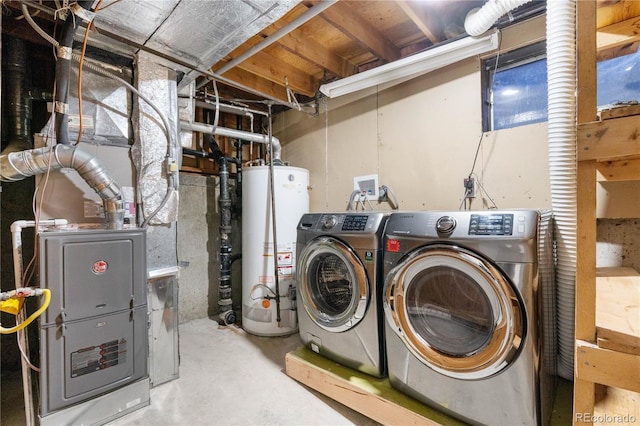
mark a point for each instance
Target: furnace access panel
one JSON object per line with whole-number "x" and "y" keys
{"x": 93, "y": 336}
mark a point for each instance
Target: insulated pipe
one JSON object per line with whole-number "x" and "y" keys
{"x": 19, "y": 104}
{"x": 63, "y": 67}
{"x": 563, "y": 165}
{"x": 478, "y": 21}
{"x": 305, "y": 17}
{"x": 235, "y": 134}
{"x": 16, "y": 166}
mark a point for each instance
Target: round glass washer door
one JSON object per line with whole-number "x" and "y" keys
{"x": 455, "y": 311}
{"x": 333, "y": 285}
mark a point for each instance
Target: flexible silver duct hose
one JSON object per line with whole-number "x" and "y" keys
{"x": 563, "y": 165}
{"x": 478, "y": 21}
{"x": 16, "y": 166}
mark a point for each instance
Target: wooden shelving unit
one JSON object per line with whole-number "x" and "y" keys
{"x": 607, "y": 323}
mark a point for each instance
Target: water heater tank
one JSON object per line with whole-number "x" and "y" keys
{"x": 259, "y": 304}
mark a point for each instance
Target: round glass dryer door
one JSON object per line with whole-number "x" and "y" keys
{"x": 455, "y": 311}
{"x": 333, "y": 285}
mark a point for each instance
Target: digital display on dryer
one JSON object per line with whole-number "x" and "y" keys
{"x": 491, "y": 224}
{"x": 355, "y": 223}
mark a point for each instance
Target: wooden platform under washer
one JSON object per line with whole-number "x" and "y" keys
{"x": 376, "y": 399}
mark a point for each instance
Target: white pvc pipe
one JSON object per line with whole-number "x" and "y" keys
{"x": 478, "y": 21}
{"x": 16, "y": 239}
{"x": 562, "y": 139}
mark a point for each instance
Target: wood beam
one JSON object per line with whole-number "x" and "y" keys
{"x": 314, "y": 52}
{"x": 611, "y": 368}
{"x": 613, "y": 139}
{"x": 271, "y": 68}
{"x": 255, "y": 82}
{"x": 298, "y": 43}
{"x": 429, "y": 26}
{"x": 616, "y": 171}
{"x": 618, "y": 36}
{"x": 346, "y": 20}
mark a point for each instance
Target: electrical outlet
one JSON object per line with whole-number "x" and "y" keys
{"x": 470, "y": 187}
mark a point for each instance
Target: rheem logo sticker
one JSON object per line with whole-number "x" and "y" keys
{"x": 99, "y": 267}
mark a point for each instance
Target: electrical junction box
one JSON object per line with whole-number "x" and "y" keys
{"x": 368, "y": 185}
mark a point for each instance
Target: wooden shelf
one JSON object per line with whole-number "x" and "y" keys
{"x": 618, "y": 310}
{"x": 607, "y": 358}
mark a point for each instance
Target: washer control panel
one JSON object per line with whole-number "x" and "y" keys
{"x": 355, "y": 222}
{"x": 491, "y": 224}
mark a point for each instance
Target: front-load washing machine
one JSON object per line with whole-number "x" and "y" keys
{"x": 340, "y": 287}
{"x": 469, "y": 313}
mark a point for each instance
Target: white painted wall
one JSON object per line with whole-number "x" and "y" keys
{"x": 421, "y": 137}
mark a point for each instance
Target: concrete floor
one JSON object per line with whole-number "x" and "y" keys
{"x": 227, "y": 377}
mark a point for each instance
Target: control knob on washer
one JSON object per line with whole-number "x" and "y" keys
{"x": 446, "y": 224}
{"x": 329, "y": 222}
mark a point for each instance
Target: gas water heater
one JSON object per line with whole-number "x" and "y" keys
{"x": 269, "y": 295}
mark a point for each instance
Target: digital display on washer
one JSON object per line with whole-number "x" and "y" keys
{"x": 355, "y": 223}
{"x": 491, "y": 224}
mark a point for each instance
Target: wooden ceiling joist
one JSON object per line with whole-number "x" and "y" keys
{"x": 352, "y": 25}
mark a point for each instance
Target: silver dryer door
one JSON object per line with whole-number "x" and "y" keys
{"x": 455, "y": 311}
{"x": 332, "y": 284}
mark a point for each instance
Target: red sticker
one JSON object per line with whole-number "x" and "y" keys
{"x": 393, "y": 246}
{"x": 99, "y": 267}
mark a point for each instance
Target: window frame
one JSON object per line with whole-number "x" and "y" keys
{"x": 501, "y": 62}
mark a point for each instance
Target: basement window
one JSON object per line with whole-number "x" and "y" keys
{"x": 619, "y": 80}
{"x": 515, "y": 88}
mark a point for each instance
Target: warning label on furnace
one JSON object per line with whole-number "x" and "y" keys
{"x": 95, "y": 358}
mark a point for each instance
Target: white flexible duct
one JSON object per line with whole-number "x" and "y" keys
{"x": 478, "y": 21}
{"x": 16, "y": 166}
{"x": 562, "y": 146}
{"x": 562, "y": 134}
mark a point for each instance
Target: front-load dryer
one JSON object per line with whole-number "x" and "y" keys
{"x": 339, "y": 288}
{"x": 469, "y": 313}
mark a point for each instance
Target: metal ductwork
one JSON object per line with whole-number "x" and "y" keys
{"x": 17, "y": 166}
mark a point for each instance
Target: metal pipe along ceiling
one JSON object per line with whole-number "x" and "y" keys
{"x": 305, "y": 17}
{"x": 234, "y": 134}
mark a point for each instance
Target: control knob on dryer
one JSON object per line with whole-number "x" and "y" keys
{"x": 445, "y": 225}
{"x": 329, "y": 222}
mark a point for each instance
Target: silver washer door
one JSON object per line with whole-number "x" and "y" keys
{"x": 455, "y": 311}
{"x": 333, "y": 285}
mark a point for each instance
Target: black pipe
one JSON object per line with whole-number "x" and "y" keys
{"x": 18, "y": 101}
{"x": 226, "y": 315}
{"x": 238, "y": 145}
{"x": 63, "y": 68}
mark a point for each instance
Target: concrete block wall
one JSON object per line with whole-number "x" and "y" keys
{"x": 198, "y": 246}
